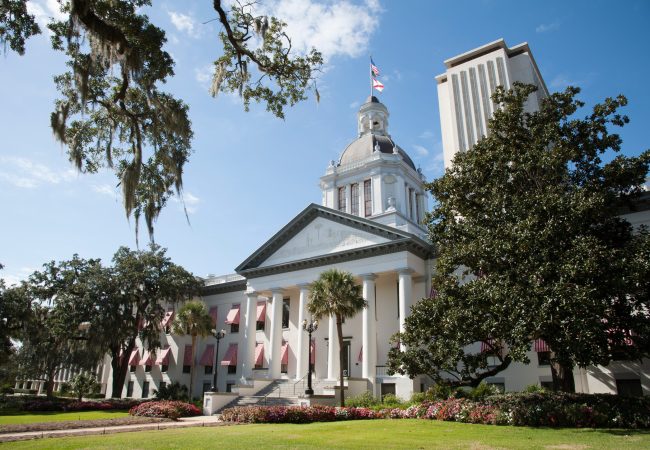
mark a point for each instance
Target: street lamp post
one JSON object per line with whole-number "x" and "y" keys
{"x": 309, "y": 328}
{"x": 218, "y": 335}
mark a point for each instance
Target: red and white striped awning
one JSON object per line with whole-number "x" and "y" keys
{"x": 259, "y": 354}
{"x": 207, "y": 358}
{"x": 187, "y": 356}
{"x": 261, "y": 311}
{"x": 147, "y": 359}
{"x": 167, "y": 320}
{"x": 486, "y": 346}
{"x": 134, "y": 359}
{"x": 231, "y": 356}
{"x": 233, "y": 315}
{"x": 284, "y": 354}
{"x": 541, "y": 346}
{"x": 163, "y": 358}
{"x": 213, "y": 314}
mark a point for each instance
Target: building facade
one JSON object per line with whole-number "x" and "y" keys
{"x": 369, "y": 223}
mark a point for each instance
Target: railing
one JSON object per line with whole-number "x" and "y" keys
{"x": 294, "y": 384}
{"x": 277, "y": 388}
{"x": 382, "y": 371}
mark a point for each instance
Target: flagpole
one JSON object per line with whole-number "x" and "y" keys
{"x": 371, "y": 87}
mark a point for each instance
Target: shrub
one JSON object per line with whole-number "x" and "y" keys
{"x": 364, "y": 400}
{"x": 533, "y": 388}
{"x": 172, "y": 391}
{"x": 83, "y": 384}
{"x": 391, "y": 400}
{"x": 483, "y": 390}
{"x": 170, "y": 409}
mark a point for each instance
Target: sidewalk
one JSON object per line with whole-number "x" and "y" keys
{"x": 200, "y": 421}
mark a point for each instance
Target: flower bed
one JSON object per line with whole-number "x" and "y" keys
{"x": 170, "y": 409}
{"x": 60, "y": 404}
{"x": 539, "y": 409}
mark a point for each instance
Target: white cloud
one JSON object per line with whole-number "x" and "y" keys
{"x": 24, "y": 173}
{"x": 44, "y": 11}
{"x": 426, "y": 134}
{"x": 184, "y": 23}
{"x": 16, "y": 277}
{"x": 204, "y": 75}
{"x": 189, "y": 201}
{"x": 334, "y": 28}
{"x": 546, "y": 27}
{"x": 436, "y": 164}
{"x": 420, "y": 150}
{"x": 355, "y": 104}
{"x": 561, "y": 81}
{"x": 106, "y": 189}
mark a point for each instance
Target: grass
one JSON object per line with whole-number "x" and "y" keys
{"x": 392, "y": 434}
{"x": 22, "y": 417}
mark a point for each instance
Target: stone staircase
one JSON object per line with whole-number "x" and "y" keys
{"x": 279, "y": 393}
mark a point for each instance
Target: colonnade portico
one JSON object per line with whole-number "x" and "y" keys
{"x": 298, "y": 338}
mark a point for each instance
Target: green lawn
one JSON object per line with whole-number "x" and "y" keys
{"x": 18, "y": 417}
{"x": 375, "y": 434}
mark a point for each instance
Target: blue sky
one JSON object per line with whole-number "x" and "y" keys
{"x": 250, "y": 172}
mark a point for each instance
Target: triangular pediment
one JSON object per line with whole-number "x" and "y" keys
{"x": 319, "y": 232}
{"x": 322, "y": 237}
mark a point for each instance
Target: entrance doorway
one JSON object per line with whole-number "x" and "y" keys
{"x": 387, "y": 388}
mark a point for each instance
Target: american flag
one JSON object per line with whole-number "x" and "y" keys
{"x": 373, "y": 68}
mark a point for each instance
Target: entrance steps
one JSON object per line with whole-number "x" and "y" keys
{"x": 279, "y": 393}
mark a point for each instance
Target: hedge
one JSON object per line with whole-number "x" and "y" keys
{"x": 537, "y": 409}
{"x": 171, "y": 409}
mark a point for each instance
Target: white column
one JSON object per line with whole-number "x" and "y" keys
{"x": 405, "y": 296}
{"x": 247, "y": 344}
{"x": 369, "y": 357}
{"x": 301, "y": 348}
{"x": 276, "y": 334}
{"x": 332, "y": 351}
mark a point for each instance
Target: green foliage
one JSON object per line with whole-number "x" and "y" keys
{"x": 391, "y": 401}
{"x": 530, "y": 247}
{"x": 171, "y": 391}
{"x": 193, "y": 320}
{"x": 483, "y": 390}
{"x": 336, "y": 294}
{"x": 83, "y": 384}
{"x": 533, "y": 389}
{"x": 364, "y": 400}
{"x": 112, "y": 113}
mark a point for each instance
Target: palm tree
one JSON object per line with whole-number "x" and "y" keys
{"x": 335, "y": 293}
{"x": 192, "y": 319}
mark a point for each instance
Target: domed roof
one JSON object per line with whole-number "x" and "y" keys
{"x": 364, "y": 146}
{"x": 373, "y": 135}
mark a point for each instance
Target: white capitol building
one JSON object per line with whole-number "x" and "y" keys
{"x": 369, "y": 224}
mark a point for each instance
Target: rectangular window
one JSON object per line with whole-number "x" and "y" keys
{"x": 342, "y": 202}
{"x": 162, "y": 385}
{"x": 129, "y": 389}
{"x": 145, "y": 389}
{"x": 132, "y": 369}
{"x": 543, "y": 358}
{"x": 354, "y": 199}
{"x": 418, "y": 212}
{"x": 229, "y": 387}
{"x": 147, "y": 369}
{"x": 206, "y": 386}
{"x": 164, "y": 368}
{"x": 286, "y": 306}
{"x": 411, "y": 202}
{"x": 284, "y": 368}
{"x": 232, "y": 369}
{"x": 367, "y": 198}
{"x": 259, "y": 326}
{"x": 548, "y": 385}
{"x": 234, "y": 328}
{"x": 186, "y": 369}
{"x": 208, "y": 370}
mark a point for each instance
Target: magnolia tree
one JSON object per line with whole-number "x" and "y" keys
{"x": 531, "y": 246}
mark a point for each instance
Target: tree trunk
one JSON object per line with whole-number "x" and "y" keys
{"x": 339, "y": 332}
{"x": 120, "y": 366}
{"x": 192, "y": 369}
{"x": 49, "y": 384}
{"x": 562, "y": 377}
